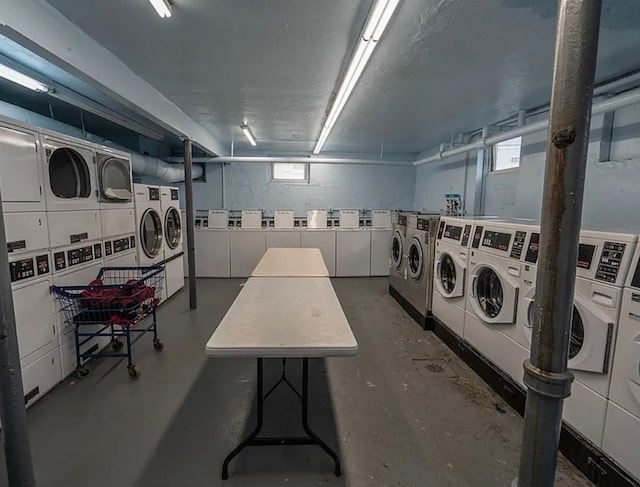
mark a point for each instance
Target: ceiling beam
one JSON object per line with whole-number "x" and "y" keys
{"x": 43, "y": 30}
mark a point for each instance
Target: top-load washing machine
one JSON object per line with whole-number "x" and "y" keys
{"x": 150, "y": 241}
{"x": 247, "y": 243}
{"x": 450, "y": 272}
{"x": 318, "y": 235}
{"x": 284, "y": 233}
{"x": 212, "y": 246}
{"x": 380, "y": 242}
{"x": 604, "y": 260}
{"x": 174, "y": 270}
{"x": 353, "y": 246}
{"x": 493, "y": 295}
{"x": 418, "y": 263}
{"x": 622, "y": 425}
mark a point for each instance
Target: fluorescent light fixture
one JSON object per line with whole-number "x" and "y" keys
{"x": 248, "y": 134}
{"x": 163, "y": 7}
{"x": 22, "y": 79}
{"x": 377, "y": 22}
{"x": 101, "y": 111}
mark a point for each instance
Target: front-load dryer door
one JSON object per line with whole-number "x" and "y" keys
{"x": 396, "y": 250}
{"x": 493, "y": 295}
{"x": 591, "y": 338}
{"x": 151, "y": 233}
{"x": 451, "y": 275}
{"x": 114, "y": 177}
{"x": 415, "y": 259}
{"x": 172, "y": 228}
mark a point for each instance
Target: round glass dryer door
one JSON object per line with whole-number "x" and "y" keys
{"x": 151, "y": 233}
{"x": 115, "y": 179}
{"x": 415, "y": 259}
{"x": 69, "y": 174}
{"x": 447, "y": 273}
{"x": 576, "y": 340}
{"x": 396, "y": 250}
{"x": 489, "y": 292}
{"x": 172, "y": 228}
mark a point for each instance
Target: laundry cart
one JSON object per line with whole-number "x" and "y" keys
{"x": 114, "y": 306}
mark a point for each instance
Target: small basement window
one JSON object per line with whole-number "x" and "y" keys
{"x": 290, "y": 172}
{"x": 506, "y": 155}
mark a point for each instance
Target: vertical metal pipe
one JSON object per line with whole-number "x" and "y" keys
{"x": 546, "y": 374}
{"x": 13, "y": 416}
{"x": 191, "y": 240}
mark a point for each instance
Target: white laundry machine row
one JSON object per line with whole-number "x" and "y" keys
{"x": 150, "y": 232}
{"x": 212, "y": 246}
{"x": 173, "y": 238}
{"x": 622, "y": 426}
{"x": 450, "y": 274}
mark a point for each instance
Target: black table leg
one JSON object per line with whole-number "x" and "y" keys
{"x": 311, "y": 439}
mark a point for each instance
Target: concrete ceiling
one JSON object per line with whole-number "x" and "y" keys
{"x": 444, "y": 66}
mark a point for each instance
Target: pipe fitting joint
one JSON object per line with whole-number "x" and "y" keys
{"x": 550, "y": 384}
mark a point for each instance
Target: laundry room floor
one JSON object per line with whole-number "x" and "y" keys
{"x": 405, "y": 411}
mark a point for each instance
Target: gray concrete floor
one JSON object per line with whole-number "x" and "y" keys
{"x": 404, "y": 412}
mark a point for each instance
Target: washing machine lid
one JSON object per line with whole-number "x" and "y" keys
{"x": 172, "y": 228}
{"x": 114, "y": 175}
{"x": 396, "y": 249}
{"x": 151, "y": 233}
{"x": 69, "y": 175}
{"x": 415, "y": 259}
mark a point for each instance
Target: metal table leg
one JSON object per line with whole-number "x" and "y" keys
{"x": 254, "y": 440}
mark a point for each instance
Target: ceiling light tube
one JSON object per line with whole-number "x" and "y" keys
{"x": 248, "y": 134}
{"x": 22, "y": 79}
{"x": 375, "y": 26}
{"x": 163, "y": 7}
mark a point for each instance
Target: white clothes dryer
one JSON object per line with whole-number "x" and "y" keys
{"x": 450, "y": 272}
{"x": 397, "y": 282}
{"x": 69, "y": 173}
{"x": 622, "y": 425}
{"x": 115, "y": 182}
{"x": 172, "y": 223}
{"x": 21, "y": 168}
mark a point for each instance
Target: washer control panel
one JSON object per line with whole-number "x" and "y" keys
{"x": 518, "y": 245}
{"x": 28, "y": 268}
{"x": 610, "y": 261}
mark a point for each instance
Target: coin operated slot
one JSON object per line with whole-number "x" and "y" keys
{"x": 42, "y": 264}
{"x": 21, "y": 270}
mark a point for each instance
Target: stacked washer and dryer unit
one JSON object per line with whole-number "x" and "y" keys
{"x": 27, "y": 232}
{"x": 173, "y": 237}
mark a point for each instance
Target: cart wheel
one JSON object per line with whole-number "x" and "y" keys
{"x": 133, "y": 372}
{"x": 158, "y": 345}
{"x": 82, "y": 372}
{"x": 117, "y": 345}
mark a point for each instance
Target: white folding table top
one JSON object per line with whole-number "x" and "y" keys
{"x": 276, "y": 317}
{"x": 278, "y": 262}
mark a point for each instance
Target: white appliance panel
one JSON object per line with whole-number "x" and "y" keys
{"x": 380, "y": 251}
{"x": 212, "y": 253}
{"x": 353, "y": 252}
{"x": 283, "y": 239}
{"x": 41, "y": 376}
{"x": 118, "y": 221}
{"x": 26, "y": 231}
{"x": 246, "y": 249}
{"x": 68, "y": 228}
{"x": 325, "y": 240}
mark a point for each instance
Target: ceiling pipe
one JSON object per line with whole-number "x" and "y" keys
{"x": 155, "y": 168}
{"x": 311, "y": 160}
{"x": 603, "y": 106}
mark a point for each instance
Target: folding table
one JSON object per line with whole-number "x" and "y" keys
{"x": 278, "y": 262}
{"x": 292, "y": 317}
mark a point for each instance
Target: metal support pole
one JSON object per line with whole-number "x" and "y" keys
{"x": 13, "y": 416}
{"x": 191, "y": 239}
{"x": 545, "y": 373}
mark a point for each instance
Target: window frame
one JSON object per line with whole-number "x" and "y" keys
{"x": 494, "y": 159}
{"x": 273, "y": 179}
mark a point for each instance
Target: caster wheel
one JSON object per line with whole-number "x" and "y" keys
{"x": 117, "y": 345}
{"x": 158, "y": 345}
{"x": 83, "y": 372}
{"x": 133, "y": 372}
